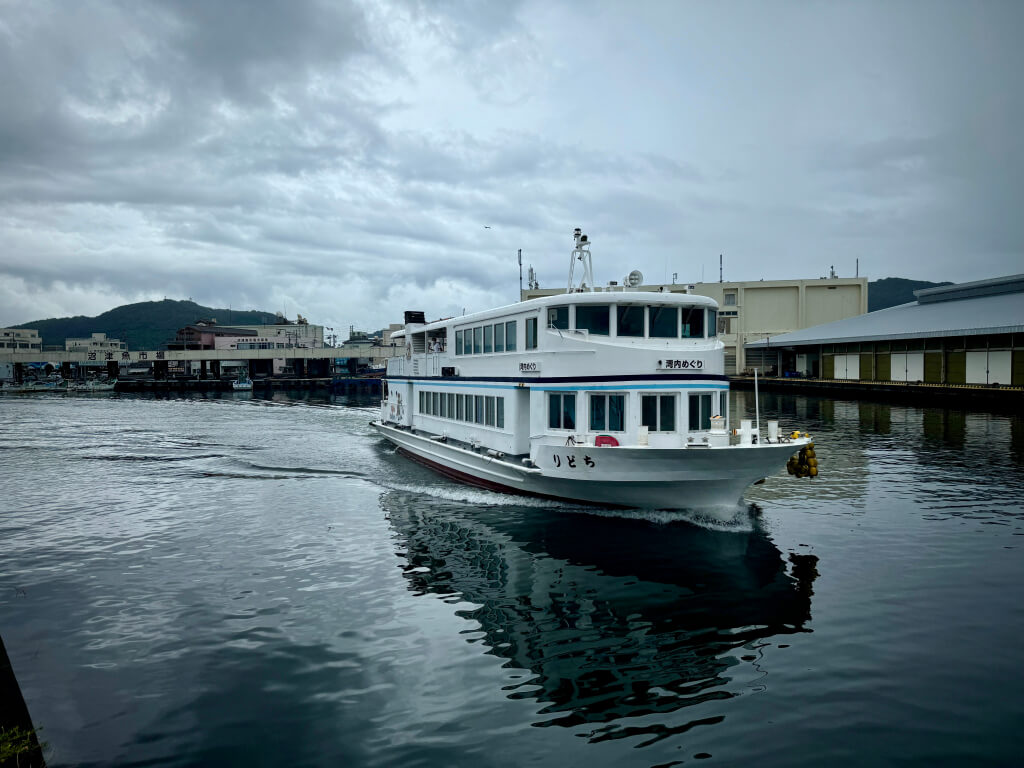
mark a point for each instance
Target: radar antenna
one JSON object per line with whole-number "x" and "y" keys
{"x": 580, "y": 253}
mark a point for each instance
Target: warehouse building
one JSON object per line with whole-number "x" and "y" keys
{"x": 970, "y": 333}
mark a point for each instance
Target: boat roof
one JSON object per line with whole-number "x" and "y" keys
{"x": 560, "y": 299}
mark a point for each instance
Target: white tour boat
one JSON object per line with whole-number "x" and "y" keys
{"x": 605, "y": 396}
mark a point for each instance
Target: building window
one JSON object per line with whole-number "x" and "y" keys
{"x": 658, "y": 412}
{"x": 693, "y": 323}
{"x": 558, "y": 317}
{"x": 488, "y": 339}
{"x": 607, "y": 413}
{"x": 700, "y": 412}
{"x": 664, "y": 322}
{"x": 458, "y": 342}
{"x": 594, "y": 319}
{"x": 478, "y": 340}
{"x": 561, "y": 410}
{"x": 510, "y": 336}
{"x": 730, "y": 298}
{"x": 499, "y": 337}
{"x": 531, "y": 333}
{"x": 631, "y": 320}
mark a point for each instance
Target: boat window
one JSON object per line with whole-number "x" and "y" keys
{"x": 558, "y": 317}
{"x": 700, "y": 412}
{"x": 631, "y": 320}
{"x": 501, "y": 413}
{"x": 561, "y": 410}
{"x": 488, "y": 339}
{"x": 723, "y": 404}
{"x": 443, "y": 411}
{"x": 478, "y": 340}
{"x": 712, "y": 322}
{"x": 489, "y": 411}
{"x": 658, "y": 412}
{"x": 693, "y": 323}
{"x": 460, "y": 407}
{"x": 531, "y": 333}
{"x": 594, "y": 319}
{"x": 510, "y": 336}
{"x": 451, "y": 405}
{"x": 458, "y": 342}
{"x": 499, "y": 337}
{"x": 435, "y": 408}
{"x": 422, "y": 403}
{"x": 478, "y": 409}
{"x": 664, "y": 322}
{"x": 607, "y": 413}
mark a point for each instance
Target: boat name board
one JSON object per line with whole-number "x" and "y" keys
{"x": 570, "y": 461}
{"x": 676, "y": 365}
{"x": 531, "y": 367}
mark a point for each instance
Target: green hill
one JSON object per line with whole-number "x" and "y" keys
{"x": 892, "y": 291}
{"x": 145, "y": 325}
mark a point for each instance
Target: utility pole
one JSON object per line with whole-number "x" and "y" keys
{"x": 520, "y": 297}
{"x": 720, "y": 268}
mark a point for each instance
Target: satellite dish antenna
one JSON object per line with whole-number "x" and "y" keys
{"x": 635, "y": 278}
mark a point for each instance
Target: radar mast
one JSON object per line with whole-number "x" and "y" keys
{"x": 583, "y": 282}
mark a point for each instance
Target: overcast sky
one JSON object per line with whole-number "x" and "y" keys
{"x": 343, "y": 159}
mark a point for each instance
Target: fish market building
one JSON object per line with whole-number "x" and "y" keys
{"x": 964, "y": 334}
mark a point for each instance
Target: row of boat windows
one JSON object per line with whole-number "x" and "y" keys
{"x": 476, "y": 409}
{"x": 654, "y": 322}
{"x": 631, "y": 320}
{"x": 607, "y": 413}
{"x": 485, "y": 339}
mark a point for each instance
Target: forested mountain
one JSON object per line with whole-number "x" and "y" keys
{"x": 145, "y": 325}
{"x": 890, "y": 291}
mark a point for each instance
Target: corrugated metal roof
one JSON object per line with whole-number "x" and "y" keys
{"x": 1003, "y": 313}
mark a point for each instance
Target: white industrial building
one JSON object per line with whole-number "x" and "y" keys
{"x": 24, "y": 339}
{"x": 753, "y": 310}
{"x": 969, "y": 333}
{"x": 97, "y": 342}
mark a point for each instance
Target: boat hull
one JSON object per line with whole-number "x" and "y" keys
{"x": 641, "y": 477}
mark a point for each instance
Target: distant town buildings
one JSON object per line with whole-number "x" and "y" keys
{"x": 24, "y": 339}
{"x": 97, "y": 342}
{"x": 753, "y": 310}
{"x": 206, "y": 334}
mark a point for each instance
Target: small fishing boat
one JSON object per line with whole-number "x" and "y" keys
{"x": 243, "y": 382}
{"x": 92, "y": 386}
{"x": 601, "y": 395}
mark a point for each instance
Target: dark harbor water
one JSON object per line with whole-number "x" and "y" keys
{"x": 238, "y": 581}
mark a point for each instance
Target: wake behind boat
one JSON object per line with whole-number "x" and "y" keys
{"x": 604, "y": 396}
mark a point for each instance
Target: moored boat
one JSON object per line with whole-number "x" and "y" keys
{"x": 92, "y": 386}
{"x": 605, "y": 396}
{"x": 243, "y": 382}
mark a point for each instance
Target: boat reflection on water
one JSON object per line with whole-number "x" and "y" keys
{"x": 613, "y": 617}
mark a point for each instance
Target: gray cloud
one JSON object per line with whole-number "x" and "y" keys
{"x": 343, "y": 158}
